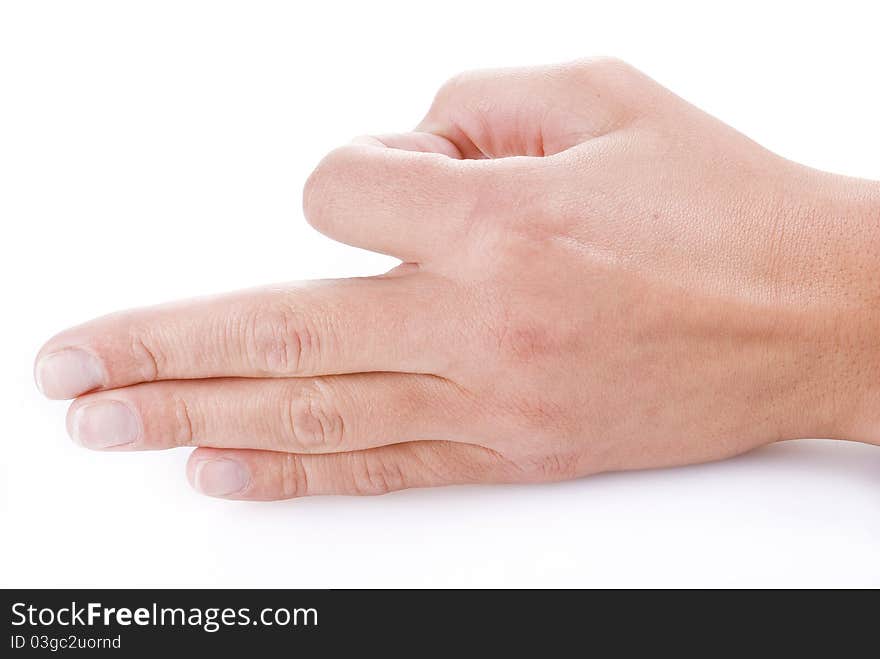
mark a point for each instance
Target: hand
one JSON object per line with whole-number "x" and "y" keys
{"x": 597, "y": 276}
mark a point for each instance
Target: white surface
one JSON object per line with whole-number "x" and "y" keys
{"x": 155, "y": 150}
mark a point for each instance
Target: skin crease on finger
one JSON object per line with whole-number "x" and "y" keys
{"x": 596, "y": 276}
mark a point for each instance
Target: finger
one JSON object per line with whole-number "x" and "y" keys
{"x": 419, "y": 142}
{"x": 345, "y": 326}
{"x": 298, "y": 415}
{"x": 410, "y": 195}
{"x": 265, "y": 475}
{"x": 536, "y": 111}
{"x": 400, "y": 201}
{"x": 419, "y": 199}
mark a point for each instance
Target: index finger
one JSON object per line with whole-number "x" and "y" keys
{"x": 345, "y": 326}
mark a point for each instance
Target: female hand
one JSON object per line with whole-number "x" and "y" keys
{"x": 597, "y": 276}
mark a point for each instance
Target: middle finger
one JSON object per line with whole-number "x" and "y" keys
{"x": 299, "y": 415}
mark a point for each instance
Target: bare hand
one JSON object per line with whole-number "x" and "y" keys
{"x": 597, "y": 276}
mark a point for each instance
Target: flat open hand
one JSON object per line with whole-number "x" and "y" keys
{"x": 597, "y": 276}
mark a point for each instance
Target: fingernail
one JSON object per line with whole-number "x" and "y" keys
{"x": 104, "y": 424}
{"x": 222, "y": 477}
{"x": 68, "y": 373}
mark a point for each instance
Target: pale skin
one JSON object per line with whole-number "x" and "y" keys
{"x": 595, "y": 276}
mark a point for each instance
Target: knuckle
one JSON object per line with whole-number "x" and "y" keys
{"x": 525, "y": 342}
{"x": 459, "y": 86}
{"x": 538, "y": 419}
{"x": 598, "y": 70}
{"x": 454, "y": 83}
{"x": 279, "y": 341}
{"x": 184, "y": 432}
{"x": 145, "y": 352}
{"x": 620, "y": 85}
{"x": 294, "y": 477}
{"x": 553, "y": 467}
{"x": 372, "y": 474}
{"x": 312, "y": 422}
{"x": 517, "y": 340}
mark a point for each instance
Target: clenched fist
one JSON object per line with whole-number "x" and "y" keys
{"x": 596, "y": 276}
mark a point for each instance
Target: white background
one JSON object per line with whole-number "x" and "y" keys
{"x": 155, "y": 150}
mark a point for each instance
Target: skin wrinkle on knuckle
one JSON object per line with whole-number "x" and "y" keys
{"x": 279, "y": 341}
{"x": 373, "y": 475}
{"x": 148, "y": 358}
{"x": 311, "y": 423}
{"x": 294, "y": 477}
{"x": 554, "y": 467}
{"x": 526, "y": 465}
{"x": 185, "y": 433}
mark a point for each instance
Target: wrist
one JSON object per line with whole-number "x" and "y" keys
{"x": 844, "y": 310}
